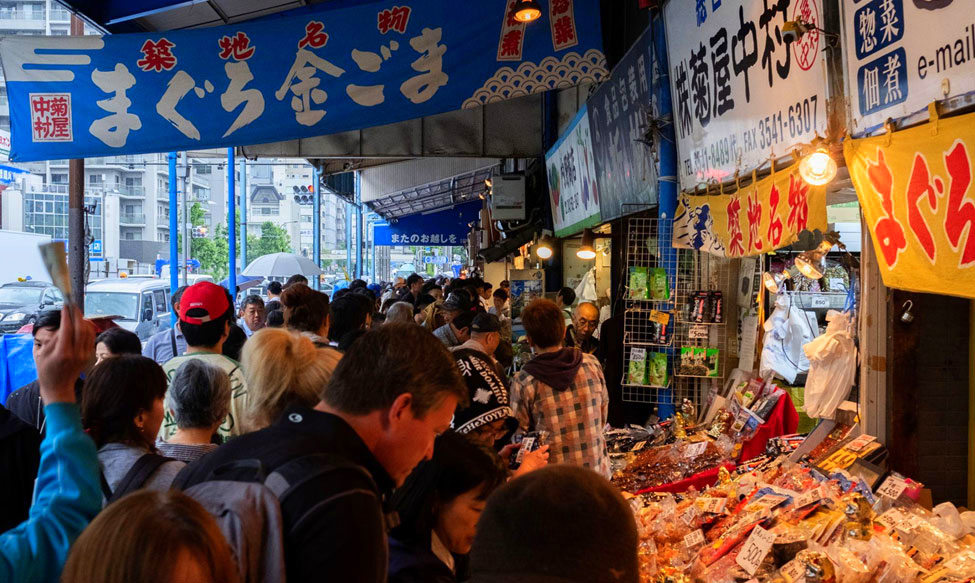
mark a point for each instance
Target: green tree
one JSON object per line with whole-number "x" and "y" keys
{"x": 273, "y": 239}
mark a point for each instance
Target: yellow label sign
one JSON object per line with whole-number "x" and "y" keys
{"x": 759, "y": 218}
{"x": 915, "y": 188}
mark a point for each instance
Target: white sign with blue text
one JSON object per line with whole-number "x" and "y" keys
{"x": 904, "y": 54}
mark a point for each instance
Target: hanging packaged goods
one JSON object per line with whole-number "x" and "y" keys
{"x": 761, "y": 217}
{"x": 319, "y": 71}
{"x": 572, "y": 184}
{"x": 915, "y": 189}
{"x": 744, "y": 89}
{"x": 903, "y": 54}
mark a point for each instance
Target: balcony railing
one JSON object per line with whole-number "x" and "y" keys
{"x": 134, "y": 220}
{"x": 21, "y": 15}
{"x": 132, "y": 191}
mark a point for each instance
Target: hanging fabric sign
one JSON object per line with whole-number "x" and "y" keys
{"x": 314, "y": 71}
{"x": 761, "y": 217}
{"x": 915, "y": 189}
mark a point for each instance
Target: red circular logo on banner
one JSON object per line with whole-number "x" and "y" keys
{"x": 806, "y": 49}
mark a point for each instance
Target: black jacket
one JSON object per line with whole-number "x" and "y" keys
{"x": 19, "y": 455}
{"x": 416, "y": 563}
{"x": 26, "y": 403}
{"x": 343, "y": 534}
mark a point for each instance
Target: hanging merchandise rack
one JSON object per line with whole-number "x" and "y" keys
{"x": 649, "y": 317}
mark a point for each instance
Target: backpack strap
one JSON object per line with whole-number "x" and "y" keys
{"x": 137, "y": 475}
{"x": 106, "y": 489}
{"x": 172, "y": 341}
{"x": 288, "y": 479}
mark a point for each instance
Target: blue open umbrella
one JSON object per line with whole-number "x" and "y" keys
{"x": 243, "y": 282}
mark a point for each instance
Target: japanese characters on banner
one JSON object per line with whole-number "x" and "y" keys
{"x": 743, "y": 90}
{"x": 448, "y": 227}
{"x": 915, "y": 191}
{"x": 572, "y": 186}
{"x": 904, "y": 54}
{"x": 316, "y": 71}
{"x": 759, "y": 218}
{"x": 618, "y": 114}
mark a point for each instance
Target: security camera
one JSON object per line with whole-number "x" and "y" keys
{"x": 793, "y": 30}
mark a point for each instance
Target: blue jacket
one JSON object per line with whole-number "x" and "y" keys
{"x": 66, "y": 497}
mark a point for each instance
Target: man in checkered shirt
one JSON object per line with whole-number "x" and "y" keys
{"x": 561, "y": 391}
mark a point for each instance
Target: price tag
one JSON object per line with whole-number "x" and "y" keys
{"x": 794, "y": 571}
{"x": 698, "y": 332}
{"x": 756, "y": 548}
{"x": 807, "y": 498}
{"x": 860, "y": 442}
{"x": 662, "y": 318}
{"x": 694, "y": 538}
{"x": 639, "y": 445}
{"x": 695, "y": 449}
{"x": 769, "y": 501}
{"x": 819, "y": 302}
{"x": 892, "y": 488}
{"x": 688, "y": 516}
{"x": 891, "y": 518}
{"x": 711, "y": 505}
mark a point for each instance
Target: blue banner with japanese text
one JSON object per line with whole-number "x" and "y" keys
{"x": 447, "y": 227}
{"x": 310, "y": 72}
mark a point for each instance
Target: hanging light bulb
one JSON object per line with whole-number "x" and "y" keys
{"x": 488, "y": 183}
{"x": 586, "y": 250}
{"x": 774, "y": 282}
{"x": 808, "y": 267}
{"x": 544, "y": 248}
{"x": 527, "y": 10}
{"x": 818, "y": 168}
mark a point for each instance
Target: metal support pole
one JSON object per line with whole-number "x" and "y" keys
{"x": 185, "y": 227}
{"x": 243, "y": 212}
{"x": 173, "y": 230}
{"x": 316, "y": 223}
{"x": 359, "y": 244}
{"x": 348, "y": 237}
{"x": 667, "y": 173}
{"x": 232, "y": 222}
{"x": 76, "y": 212}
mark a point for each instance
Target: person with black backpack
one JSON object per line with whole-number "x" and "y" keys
{"x": 122, "y": 409}
{"x": 332, "y": 467}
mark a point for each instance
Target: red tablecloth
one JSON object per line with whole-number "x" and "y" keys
{"x": 783, "y": 420}
{"x": 700, "y": 480}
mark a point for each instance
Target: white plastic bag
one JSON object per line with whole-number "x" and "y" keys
{"x": 832, "y": 366}
{"x": 786, "y": 331}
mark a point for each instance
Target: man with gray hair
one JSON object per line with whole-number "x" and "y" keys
{"x": 199, "y": 399}
{"x": 400, "y": 312}
{"x": 585, "y": 319}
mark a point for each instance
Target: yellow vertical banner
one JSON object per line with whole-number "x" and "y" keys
{"x": 915, "y": 189}
{"x": 761, "y": 217}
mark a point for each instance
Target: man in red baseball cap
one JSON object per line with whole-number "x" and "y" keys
{"x": 205, "y": 315}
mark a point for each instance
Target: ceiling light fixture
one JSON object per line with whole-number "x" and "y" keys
{"x": 587, "y": 251}
{"x": 527, "y": 10}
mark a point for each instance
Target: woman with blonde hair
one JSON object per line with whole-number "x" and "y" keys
{"x": 283, "y": 370}
{"x": 151, "y": 537}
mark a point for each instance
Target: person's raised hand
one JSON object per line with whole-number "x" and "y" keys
{"x": 62, "y": 360}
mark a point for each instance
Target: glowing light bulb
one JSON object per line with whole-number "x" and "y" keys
{"x": 527, "y": 11}
{"x": 818, "y": 168}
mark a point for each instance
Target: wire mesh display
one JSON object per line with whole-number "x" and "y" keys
{"x": 705, "y": 294}
{"x": 648, "y": 321}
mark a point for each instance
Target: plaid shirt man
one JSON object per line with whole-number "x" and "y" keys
{"x": 574, "y": 417}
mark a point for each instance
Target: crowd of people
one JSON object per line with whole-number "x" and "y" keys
{"x": 371, "y": 435}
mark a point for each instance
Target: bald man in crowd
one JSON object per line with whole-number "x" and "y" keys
{"x": 585, "y": 319}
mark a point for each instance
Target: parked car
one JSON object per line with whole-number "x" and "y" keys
{"x": 141, "y": 305}
{"x": 21, "y": 302}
